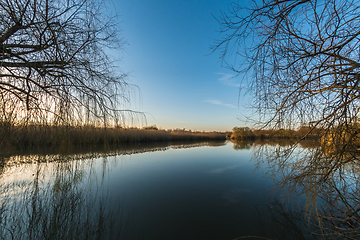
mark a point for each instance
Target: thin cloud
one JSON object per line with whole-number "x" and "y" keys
{"x": 228, "y": 79}
{"x": 220, "y": 103}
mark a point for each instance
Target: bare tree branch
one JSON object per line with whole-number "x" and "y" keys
{"x": 53, "y": 59}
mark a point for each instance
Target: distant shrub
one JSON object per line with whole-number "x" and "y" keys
{"x": 341, "y": 140}
{"x": 241, "y": 133}
{"x": 153, "y": 127}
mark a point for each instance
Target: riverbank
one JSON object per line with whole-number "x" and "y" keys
{"x": 65, "y": 139}
{"x": 245, "y": 133}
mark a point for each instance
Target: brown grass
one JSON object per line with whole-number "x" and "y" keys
{"x": 67, "y": 138}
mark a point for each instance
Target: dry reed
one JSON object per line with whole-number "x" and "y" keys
{"x": 67, "y": 138}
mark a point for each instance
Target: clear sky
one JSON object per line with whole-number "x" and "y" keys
{"x": 168, "y": 56}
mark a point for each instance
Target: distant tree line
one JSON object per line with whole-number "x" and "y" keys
{"x": 304, "y": 132}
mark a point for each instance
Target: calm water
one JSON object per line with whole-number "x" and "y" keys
{"x": 195, "y": 191}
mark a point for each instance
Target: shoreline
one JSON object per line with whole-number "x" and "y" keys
{"x": 67, "y": 139}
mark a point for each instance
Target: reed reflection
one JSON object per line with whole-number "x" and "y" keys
{"x": 65, "y": 197}
{"x": 59, "y": 200}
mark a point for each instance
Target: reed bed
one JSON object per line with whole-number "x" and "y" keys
{"x": 67, "y": 138}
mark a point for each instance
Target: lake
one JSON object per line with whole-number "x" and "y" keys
{"x": 210, "y": 190}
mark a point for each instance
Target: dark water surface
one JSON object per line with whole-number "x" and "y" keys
{"x": 196, "y": 191}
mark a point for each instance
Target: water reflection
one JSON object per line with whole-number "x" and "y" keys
{"x": 279, "y": 221}
{"x": 240, "y": 145}
{"x": 64, "y": 196}
{"x": 331, "y": 187}
{"x": 197, "y": 190}
{"x": 59, "y": 200}
{"x": 125, "y": 149}
{"x": 247, "y": 144}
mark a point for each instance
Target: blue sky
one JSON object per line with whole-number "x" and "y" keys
{"x": 168, "y": 56}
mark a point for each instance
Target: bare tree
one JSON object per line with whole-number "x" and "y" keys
{"x": 54, "y": 63}
{"x": 301, "y": 58}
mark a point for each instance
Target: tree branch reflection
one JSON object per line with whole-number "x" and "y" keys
{"x": 330, "y": 185}
{"x": 59, "y": 200}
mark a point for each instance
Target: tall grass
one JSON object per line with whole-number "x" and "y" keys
{"x": 67, "y": 138}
